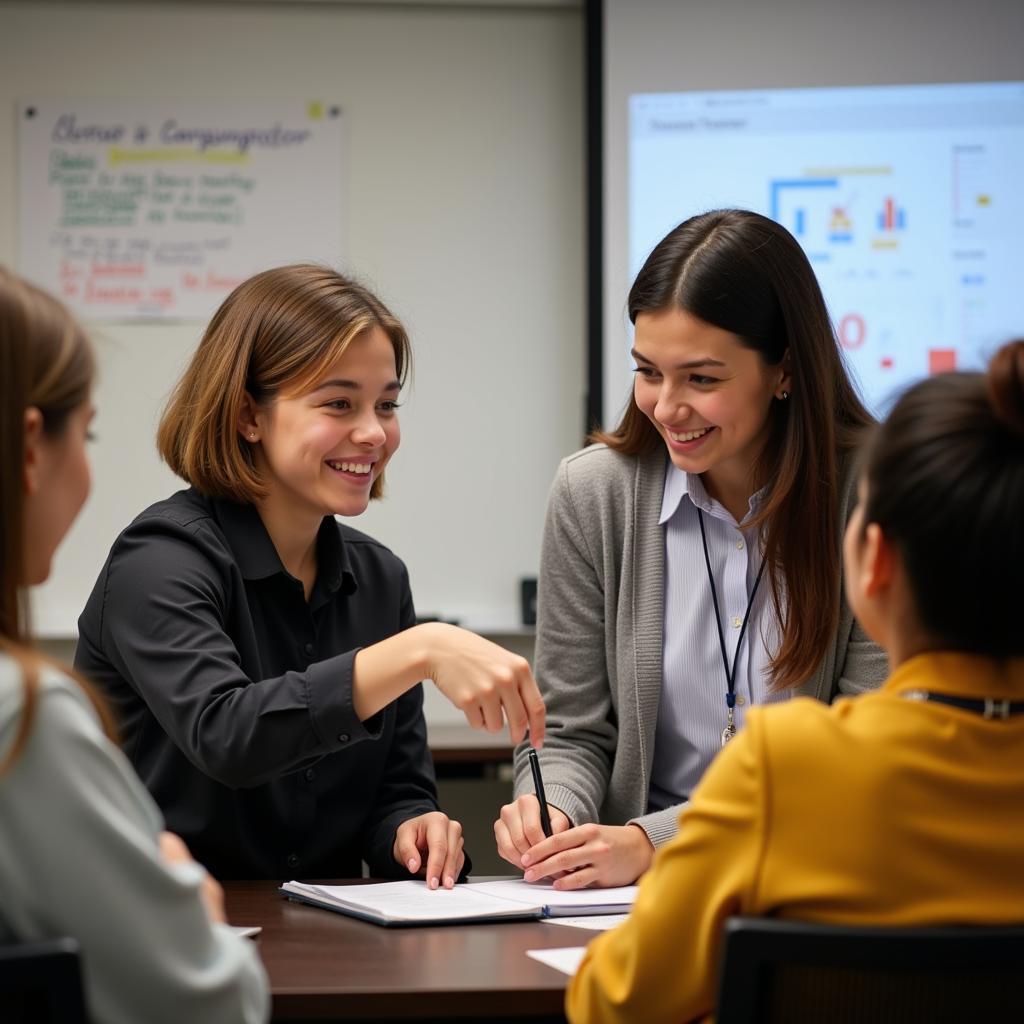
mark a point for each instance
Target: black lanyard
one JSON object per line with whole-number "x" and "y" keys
{"x": 730, "y": 675}
{"x": 984, "y": 706}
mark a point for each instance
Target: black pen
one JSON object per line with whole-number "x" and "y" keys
{"x": 538, "y": 785}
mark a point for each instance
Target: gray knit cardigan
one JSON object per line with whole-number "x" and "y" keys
{"x": 599, "y": 640}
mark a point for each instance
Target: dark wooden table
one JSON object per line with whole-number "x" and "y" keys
{"x": 326, "y": 966}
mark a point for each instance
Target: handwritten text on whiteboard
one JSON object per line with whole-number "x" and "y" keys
{"x": 149, "y": 209}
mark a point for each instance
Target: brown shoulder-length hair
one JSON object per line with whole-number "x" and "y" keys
{"x": 745, "y": 274}
{"x": 275, "y": 334}
{"x": 46, "y": 363}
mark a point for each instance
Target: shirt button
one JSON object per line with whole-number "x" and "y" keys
{"x": 293, "y": 860}
{"x": 343, "y": 738}
{"x": 739, "y": 545}
{"x": 310, "y": 775}
{"x": 736, "y": 622}
{"x": 741, "y": 701}
{"x": 308, "y": 649}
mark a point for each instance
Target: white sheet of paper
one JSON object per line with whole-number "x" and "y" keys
{"x": 596, "y": 922}
{"x": 412, "y": 900}
{"x": 521, "y": 891}
{"x": 565, "y": 958}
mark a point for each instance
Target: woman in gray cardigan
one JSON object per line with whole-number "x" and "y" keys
{"x": 691, "y": 559}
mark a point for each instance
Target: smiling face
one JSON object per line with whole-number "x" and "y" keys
{"x": 320, "y": 451}
{"x": 708, "y": 396}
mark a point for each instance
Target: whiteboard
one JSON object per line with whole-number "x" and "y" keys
{"x": 904, "y": 198}
{"x": 461, "y": 206}
{"x": 158, "y": 209}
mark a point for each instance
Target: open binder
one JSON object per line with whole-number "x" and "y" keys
{"x": 412, "y": 903}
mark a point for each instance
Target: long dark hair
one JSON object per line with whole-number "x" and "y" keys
{"x": 745, "y": 274}
{"x": 47, "y": 362}
{"x": 945, "y": 482}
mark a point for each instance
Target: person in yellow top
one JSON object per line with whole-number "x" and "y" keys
{"x": 900, "y": 807}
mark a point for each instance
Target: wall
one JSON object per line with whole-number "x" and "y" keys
{"x": 463, "y": 209}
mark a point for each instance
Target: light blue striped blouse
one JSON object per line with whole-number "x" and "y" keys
{"x": 692, "y": 712}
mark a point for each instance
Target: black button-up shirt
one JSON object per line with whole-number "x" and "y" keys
{"x": 234, "y": 693}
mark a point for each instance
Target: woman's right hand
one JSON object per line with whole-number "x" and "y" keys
{"x": 519, "y": 829}
{"x": 485, "y": 682}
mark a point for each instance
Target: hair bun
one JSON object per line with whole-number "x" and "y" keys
{"x": 1006, "y": 386}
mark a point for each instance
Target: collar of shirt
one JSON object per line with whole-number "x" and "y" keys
{"x": 680, "y": 484}
{"x": 258, "y": 558}
{"x": 959, "y": 674}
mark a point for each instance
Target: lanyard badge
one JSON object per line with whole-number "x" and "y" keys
{"x": 730, "y": 674}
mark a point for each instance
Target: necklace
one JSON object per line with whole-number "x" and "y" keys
{"x": 730, "y": 674}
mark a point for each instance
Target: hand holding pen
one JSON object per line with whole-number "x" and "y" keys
{"x": 527, "y": 821}
{"x": 535, "y": 836}
{"x": 538, "y": 786}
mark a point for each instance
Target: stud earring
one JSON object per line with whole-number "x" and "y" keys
{"x": 783, "y": 396}
{"x": 252, "y": 437}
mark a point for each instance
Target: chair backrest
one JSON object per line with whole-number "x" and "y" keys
{"x": 41, "y": 983}
{"x": 788, "y": 971}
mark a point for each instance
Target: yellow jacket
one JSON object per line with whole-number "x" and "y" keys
{"x": 878, "y": 810}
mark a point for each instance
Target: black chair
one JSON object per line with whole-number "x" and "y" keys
{"x": 41, "y": 983}
{"x": 789, "y": 972}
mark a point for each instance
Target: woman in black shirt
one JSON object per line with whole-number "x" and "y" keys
{"x": 264, "y": 658}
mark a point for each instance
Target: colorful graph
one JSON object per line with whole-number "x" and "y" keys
{"x": 798, "y": 221}
{"x": 840, "y": 225}
{"x": 891, "y": 217}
